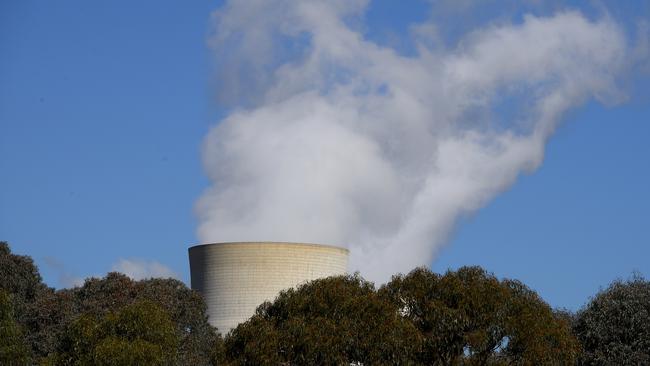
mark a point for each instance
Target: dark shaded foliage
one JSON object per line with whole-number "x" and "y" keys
{"x": 13, "y": 348}
{"x": 200, "y": 342}
{"x": 614, "y": 327}
{"x": 20, "y": 278}
{"x": 46, "y": 320}
{"x": 470, "y": 317}
{"x": 332, "y": 321}
{"x": 464, "y": 317}
{"x": 141, "y": 333}
{"x": 45, "y": 314}
{"x": 186, "y": 308}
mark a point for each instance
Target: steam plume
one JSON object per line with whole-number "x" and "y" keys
{"x": 140, "y": 270}
{"x": 335, "y": 139}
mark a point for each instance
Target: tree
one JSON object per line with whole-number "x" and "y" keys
{"x": 614, "y": 327}
{"x": 19, "y": 276}
{"x": 47, "y": 318}
{"x": 13, "y": 349}
{"x": 336, "y": 320}
{"x": 141, "y": 333}
{"x": 20, "y": 279}
{"x": 45, "y": 314}
{"x": 470, "y": 317}
{"x": 199, "y": 342}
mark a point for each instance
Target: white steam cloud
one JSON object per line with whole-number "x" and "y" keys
{"x": 139, "y": 270}
{"x": 336, "y": 139}
{"x": 65, "y": 277}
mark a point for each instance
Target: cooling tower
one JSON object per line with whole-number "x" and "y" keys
{"x": 234, "y": 278}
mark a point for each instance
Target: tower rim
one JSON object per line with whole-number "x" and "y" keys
{"x": 289, "y": 243}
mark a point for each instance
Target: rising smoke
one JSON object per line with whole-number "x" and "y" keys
{"x": 336, "y": 139}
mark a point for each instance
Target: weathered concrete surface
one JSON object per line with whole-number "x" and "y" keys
{"x": 235, "y": 278}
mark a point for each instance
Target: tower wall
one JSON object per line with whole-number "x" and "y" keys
{"x": 235, "y": 278}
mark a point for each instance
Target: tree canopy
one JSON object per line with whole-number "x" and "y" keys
{"x": 198, "y": 342}
{"x": 13, "y": 349}
{"x": 470, "y": 317}
{"x": 47, "y": 316}
{"x": 140, "y": 333}
{"x": 337, "y": 320}
{"x": 462, "y": 317}
{"x": 186, "y": 308}
{"x": 19, "y": 276}
{"x": 614, "y": 327}
{"x": 21, "y": 281}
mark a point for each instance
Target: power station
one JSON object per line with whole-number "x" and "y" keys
{"x": 234, "y": 278}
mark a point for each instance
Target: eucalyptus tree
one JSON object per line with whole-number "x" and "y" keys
{"x": 471, "y": 317}
{"x": 332, "y": 321}
{"x": 614, "y": 327}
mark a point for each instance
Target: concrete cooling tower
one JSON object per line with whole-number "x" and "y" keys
{"x": 234, "y": 278}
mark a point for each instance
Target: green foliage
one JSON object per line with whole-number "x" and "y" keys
{"x": 470, "y": 317}
{"x": 13, "y": 349}
{"x": 614, "y": 328}
{"x": 45, "y": 314}
{"x": 20, "y": 278}
{"x": 139, "y": 334}
{"x": 337, "y": 320}
{"x": 46, "y": 319}
{"x": 199, "y": 343}
{"x": 464, "y": 317}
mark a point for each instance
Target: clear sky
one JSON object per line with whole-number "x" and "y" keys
{"x": 104, "y": 107}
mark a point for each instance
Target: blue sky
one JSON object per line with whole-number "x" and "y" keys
{"x": 104, "y": 106}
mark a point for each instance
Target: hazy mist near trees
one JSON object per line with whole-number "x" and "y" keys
{"x": 463, "y": 317}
